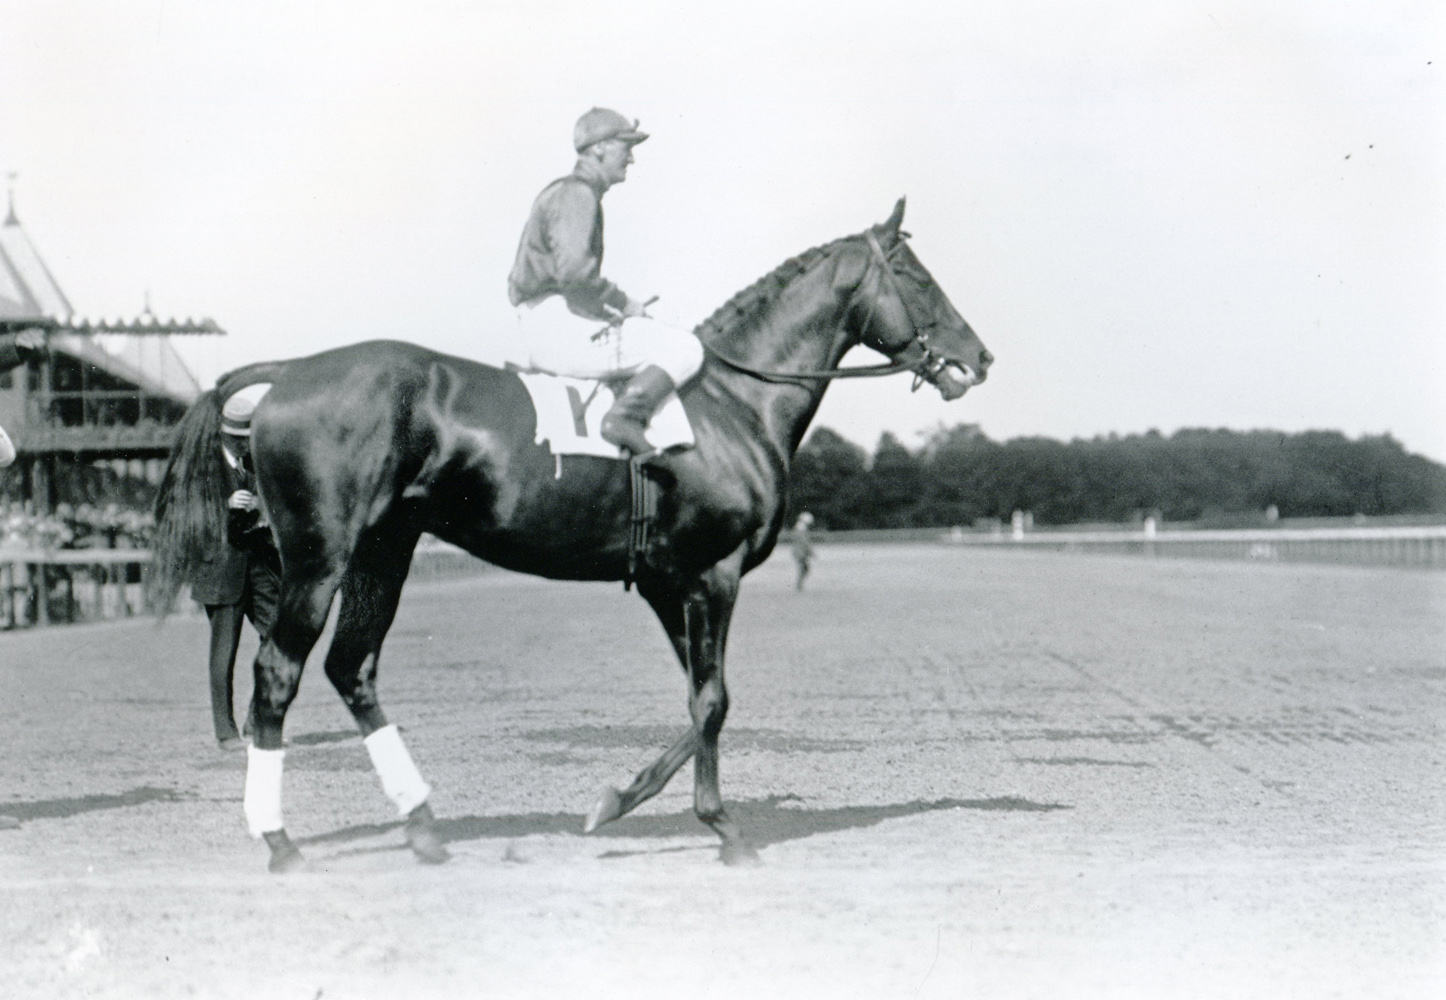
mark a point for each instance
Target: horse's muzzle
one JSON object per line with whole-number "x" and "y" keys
{"x": 954, "y": 380}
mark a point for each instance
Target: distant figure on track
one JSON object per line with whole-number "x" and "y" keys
{"x": 243, "y": 578}
{"x": 802, "y": 547}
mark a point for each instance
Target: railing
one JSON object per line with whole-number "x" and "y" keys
{"x": 70, "y": 585}
{"x": 42, "y": 588}
{"x": 79, "y": 585}
{"x": 1418, "y": 547}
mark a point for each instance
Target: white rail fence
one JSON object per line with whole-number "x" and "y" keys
{"x": 81, "y": 585}
{"x": 44, "y": 588}
{"x": 1416, "y": 547}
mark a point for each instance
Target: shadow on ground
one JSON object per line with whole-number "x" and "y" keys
{"x": 765, "y": 821}
{"x": 61, "y": 808}
{"x": 320, "y": 739}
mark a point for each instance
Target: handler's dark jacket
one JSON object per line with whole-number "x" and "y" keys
{"x": 221, "y": 578}
{"x": 562, "y": 247}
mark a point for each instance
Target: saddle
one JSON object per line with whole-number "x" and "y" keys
{"x": 569, "y": 412}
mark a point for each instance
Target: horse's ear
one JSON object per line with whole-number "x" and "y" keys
{"x": 889, "y": 229}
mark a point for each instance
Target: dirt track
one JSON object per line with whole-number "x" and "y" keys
{"x": 970, "y": 774}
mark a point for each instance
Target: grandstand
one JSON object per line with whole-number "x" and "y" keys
{"x": 93, "y": 421}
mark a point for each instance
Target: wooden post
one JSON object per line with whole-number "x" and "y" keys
{"x": 41, "y": 587}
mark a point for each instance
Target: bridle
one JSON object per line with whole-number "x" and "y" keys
{"x": 926, "y": 367}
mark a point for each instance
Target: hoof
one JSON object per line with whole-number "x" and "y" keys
{"x": 422, "y": 839}
{"x": 608, "y": 808}
{"x": 231, "y": 744}
{"x": 737, "y": 854}
{"x": 284, "y": 855}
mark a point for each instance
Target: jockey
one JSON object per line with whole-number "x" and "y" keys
{"x": 575, "y": 322}
{"x": 15, "y": 350}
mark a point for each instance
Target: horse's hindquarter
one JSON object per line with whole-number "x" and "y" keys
{"x": 364, "y": 436}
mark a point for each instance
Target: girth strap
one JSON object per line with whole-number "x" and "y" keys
{"x": 644, "y": 492}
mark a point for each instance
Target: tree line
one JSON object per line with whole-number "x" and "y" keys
{"x": 960, "y": 477}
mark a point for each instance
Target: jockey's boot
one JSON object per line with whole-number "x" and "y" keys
{"x": 625, "y": 424}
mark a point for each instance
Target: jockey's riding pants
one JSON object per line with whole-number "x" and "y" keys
{"x": 554, "y": 339}
{"x": 7, "y": 449}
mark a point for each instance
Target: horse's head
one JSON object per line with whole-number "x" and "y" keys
{"x": 899, "y": 310}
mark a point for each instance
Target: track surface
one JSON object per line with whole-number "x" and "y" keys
{"x": 969, "y": 773}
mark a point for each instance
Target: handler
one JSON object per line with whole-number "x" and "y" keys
{"x": 243, "y": 579}
{"x": 15, "y": 350}
{"x": 575, "y": 322}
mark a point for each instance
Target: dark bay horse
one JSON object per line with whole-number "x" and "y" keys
{"x": 360, "y": 450}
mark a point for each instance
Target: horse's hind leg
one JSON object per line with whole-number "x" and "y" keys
{"x": 369, "y": 595}
{"x": 303, "y": 606}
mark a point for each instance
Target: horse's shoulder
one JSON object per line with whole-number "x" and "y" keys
{"x": 711, "y": 402}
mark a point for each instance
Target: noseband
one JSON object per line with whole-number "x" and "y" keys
{"x": 926, "y": 368}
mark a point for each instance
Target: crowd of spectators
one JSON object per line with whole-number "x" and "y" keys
{"x": 84, "y": 526}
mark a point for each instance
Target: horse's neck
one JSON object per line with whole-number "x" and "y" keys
{"x": 801, "y": 330}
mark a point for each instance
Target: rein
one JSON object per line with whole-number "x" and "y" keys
{"x": 862, "y": 371}
{"x": 926, "y": 365}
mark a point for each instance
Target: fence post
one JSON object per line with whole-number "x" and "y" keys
{"x": 40, "y": 586}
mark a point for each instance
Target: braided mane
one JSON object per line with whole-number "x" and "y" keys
{"x": 744, "y": 308}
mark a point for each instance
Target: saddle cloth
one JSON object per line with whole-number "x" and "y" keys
{"x": 569, "y": 411}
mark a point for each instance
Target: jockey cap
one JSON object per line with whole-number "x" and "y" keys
{"x": 602, "y": 123}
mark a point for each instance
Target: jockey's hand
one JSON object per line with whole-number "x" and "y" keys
{"x": 636, "y": 308}
{"x": 243, "y": 500}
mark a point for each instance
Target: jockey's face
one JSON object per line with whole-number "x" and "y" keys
{"x": 614, "y": 156}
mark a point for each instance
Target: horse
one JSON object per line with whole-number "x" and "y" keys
{"x": 361, "y": 449}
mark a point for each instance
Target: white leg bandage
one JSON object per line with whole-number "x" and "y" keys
{"x": 263, "y": 790}
{"x": 401, "y": 781}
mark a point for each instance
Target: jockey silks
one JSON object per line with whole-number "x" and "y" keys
{"x": 561, "y": 249}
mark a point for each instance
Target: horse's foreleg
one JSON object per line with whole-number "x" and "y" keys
{"x": 652, "y": 779}
{"x": 302, "y": 615}
{"x": 649, "y": 782}
{"x": 369, "y": 597}
{"x": 697, "y": 625}
{"x": 706, "y": 618}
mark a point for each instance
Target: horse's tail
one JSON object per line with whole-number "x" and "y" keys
{"x": 191, "y": 505}
{"x": 235, "y": 381}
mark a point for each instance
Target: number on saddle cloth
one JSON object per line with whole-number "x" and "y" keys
{"x": 579, "y": 407}
{"x": 570, "y": 410}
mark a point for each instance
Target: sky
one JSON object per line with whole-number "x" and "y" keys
{"x": 1155, "y": 215}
